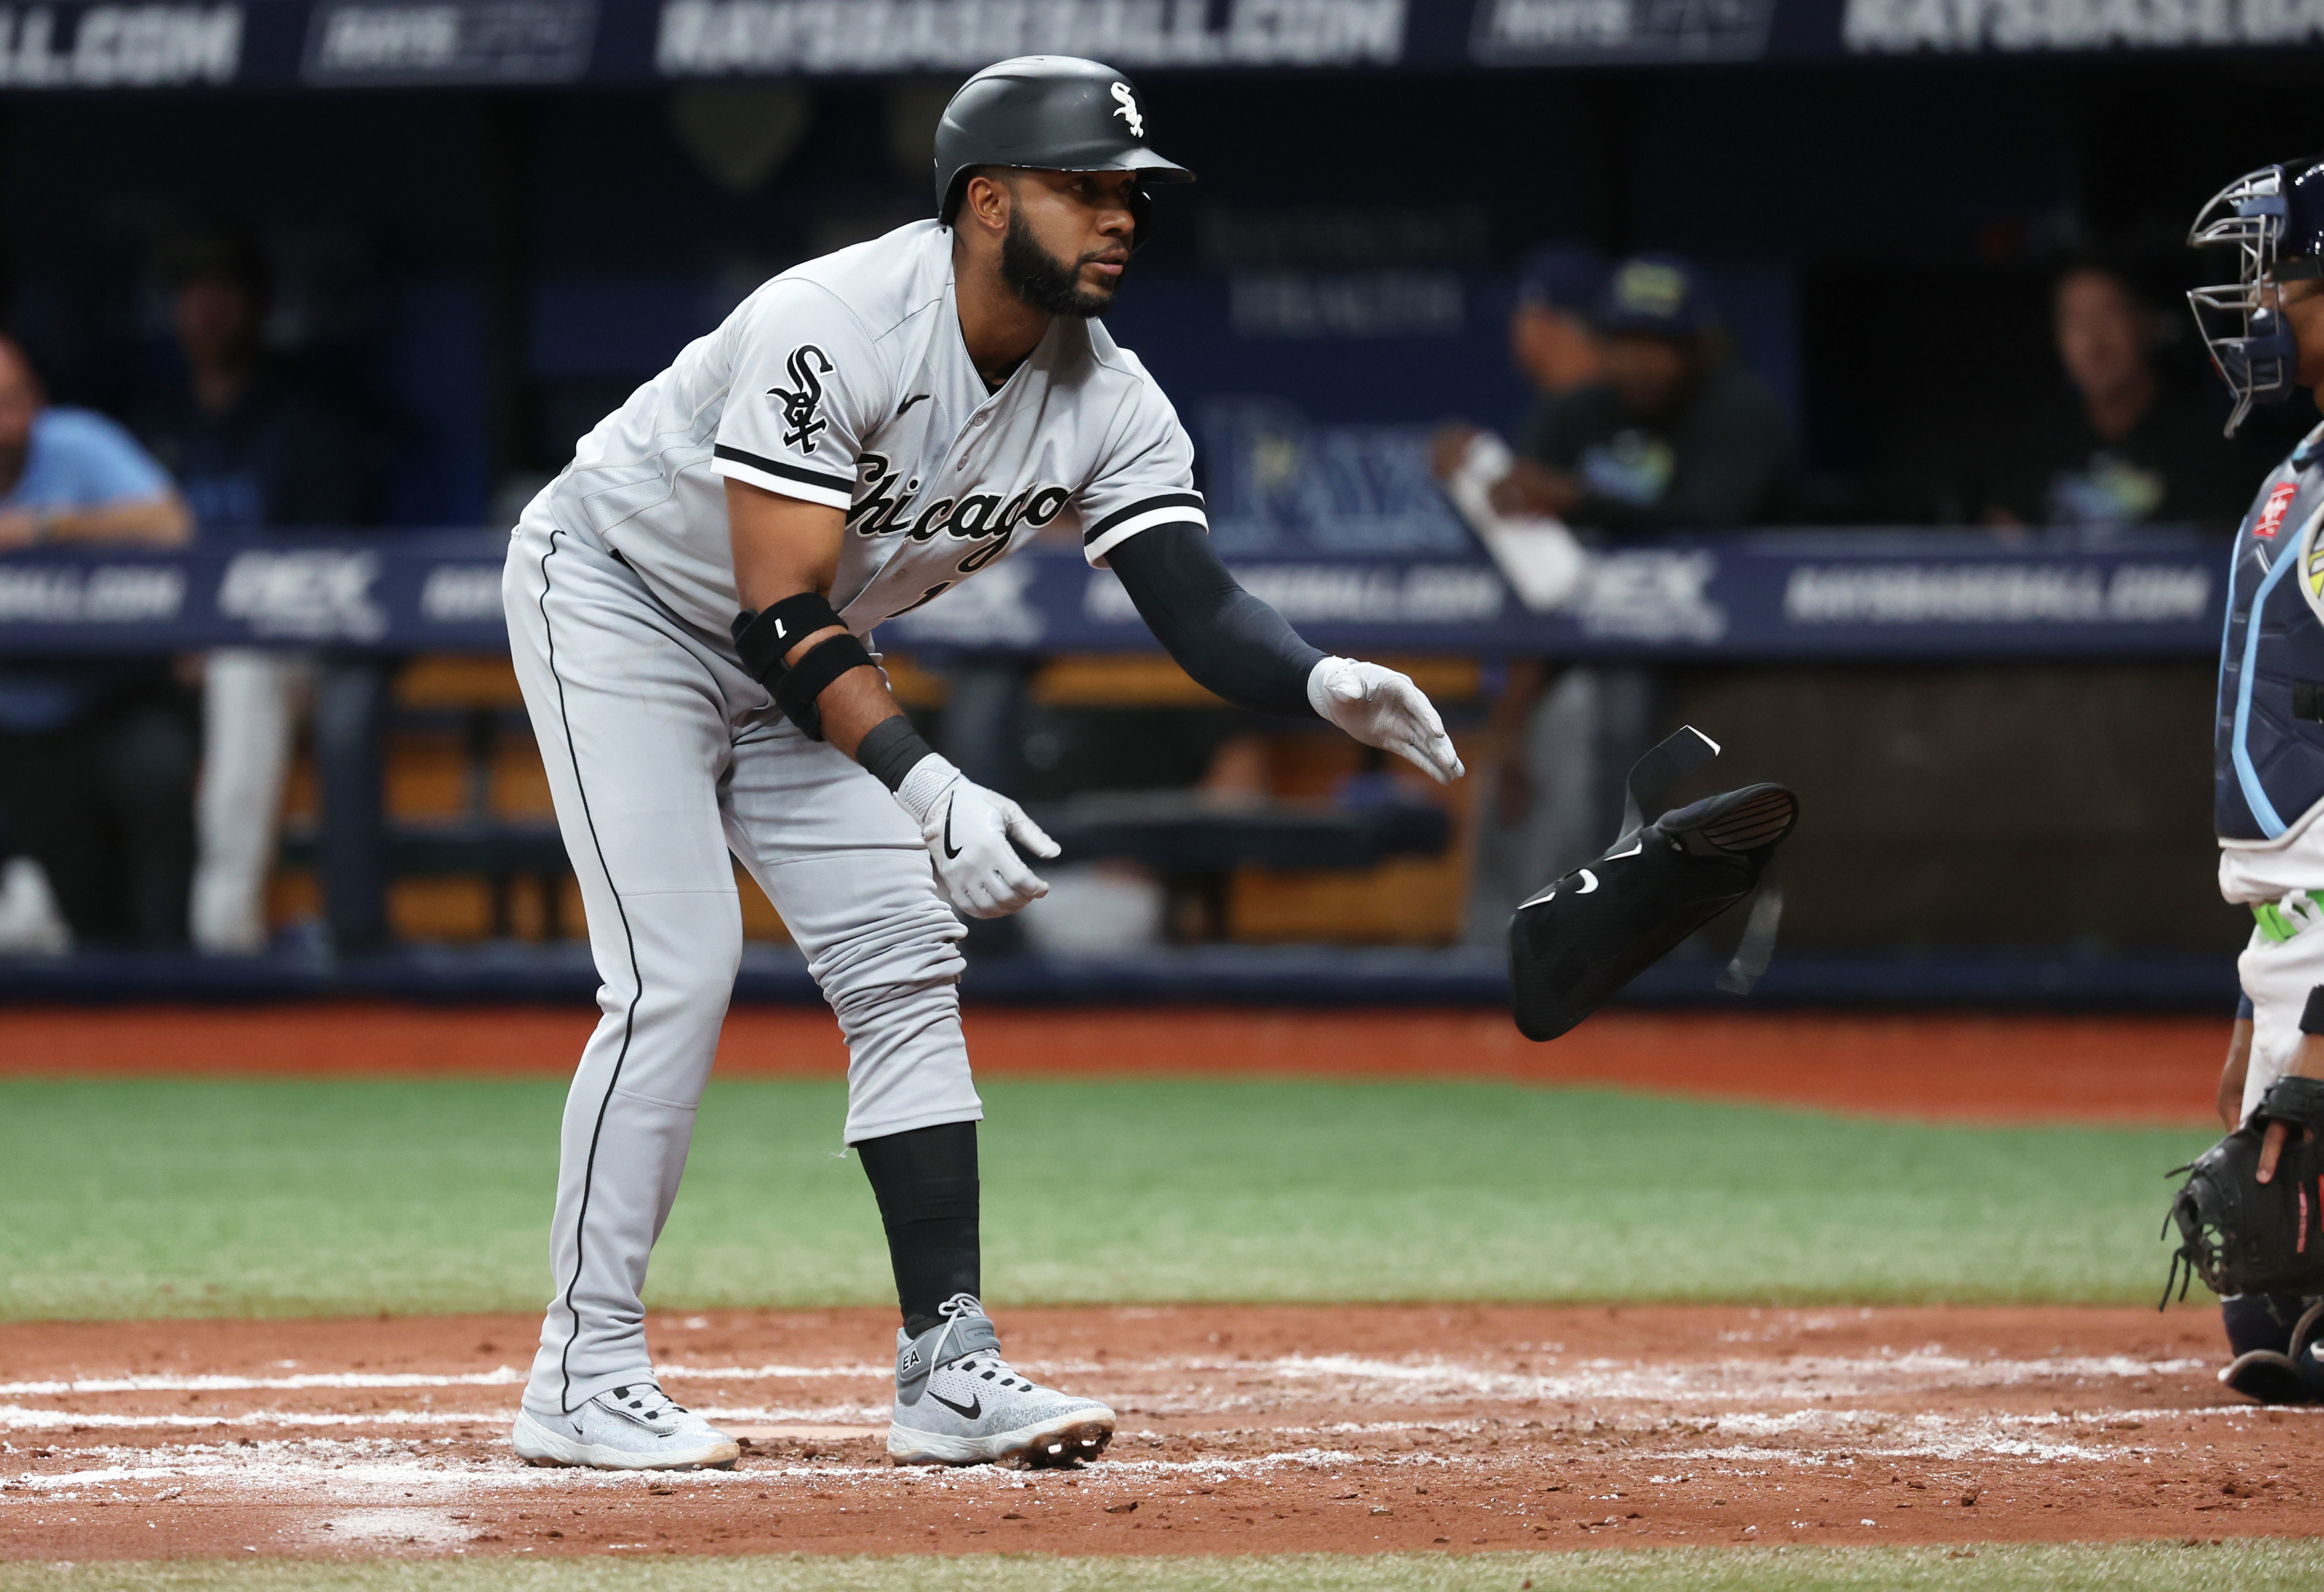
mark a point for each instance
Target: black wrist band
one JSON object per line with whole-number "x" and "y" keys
{"x": 892, "y": 749}
{"x": 760, "y": 639}
{"x": 796, "y": 687}
{"x": 2312, "y": 1017}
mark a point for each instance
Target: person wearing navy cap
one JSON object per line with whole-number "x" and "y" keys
{"x": 1552, "y": 338}
{"x": 1674, "y": 438}
{"x": 1670, "y": 436}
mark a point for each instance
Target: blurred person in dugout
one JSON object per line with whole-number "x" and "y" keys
{"x": 97, "y": 755}
{"x": 1668, "y": 433}
{"x": 253, "y": 451}
{"x": 2117, "y": 444}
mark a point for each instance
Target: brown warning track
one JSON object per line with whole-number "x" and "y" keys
{"x": 1242, "y": 1430}
{"x": 1948, "y": 1067}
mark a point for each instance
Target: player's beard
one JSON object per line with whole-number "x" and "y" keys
{"x": 1048, "y": 283}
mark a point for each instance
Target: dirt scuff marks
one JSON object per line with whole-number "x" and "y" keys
{"x": 1243, "y": 1430}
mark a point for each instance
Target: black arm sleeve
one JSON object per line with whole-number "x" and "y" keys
{"x": 1227, "y": 640}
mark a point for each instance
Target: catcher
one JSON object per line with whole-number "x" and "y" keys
{"x": 2251, "y": 1217}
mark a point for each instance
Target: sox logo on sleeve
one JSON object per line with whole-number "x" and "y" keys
{"x": 844, "y": 382}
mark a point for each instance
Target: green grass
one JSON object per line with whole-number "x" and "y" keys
{"x": 2257, "y": 1566}
{"x": 199, "y": 1198}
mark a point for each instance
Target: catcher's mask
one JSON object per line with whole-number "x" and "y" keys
{"x": 1596, "y": 929}
{"x": 2273, "y": 219}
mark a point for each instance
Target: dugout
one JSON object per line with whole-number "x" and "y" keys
{"x": 483, "y": 237}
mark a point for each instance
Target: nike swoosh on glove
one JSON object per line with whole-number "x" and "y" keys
{"x": 1382, "y": 708}
{"x": 968, "y": 830}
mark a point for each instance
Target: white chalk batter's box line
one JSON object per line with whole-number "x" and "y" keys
{"x": 1869, "y": 1423}
{"x": 376, "y": 1381}
{"x": 1603, "y": 1374}
{"x": 15, "y": 1418}
{"x": 345, "y": 1467}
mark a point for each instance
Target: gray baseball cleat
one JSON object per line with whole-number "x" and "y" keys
{"x": 959, "y": 1403}
{"x": 630, "y": 1428}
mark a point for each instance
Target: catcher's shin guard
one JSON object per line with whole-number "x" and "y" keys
{"x": 2292, "y": 1375}
{"x": 1593, "y": 931}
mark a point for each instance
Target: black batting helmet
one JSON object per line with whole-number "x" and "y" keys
{"x": 1047, "y": 113}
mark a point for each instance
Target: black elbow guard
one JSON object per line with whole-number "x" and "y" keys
{"x": 761, "y": 639}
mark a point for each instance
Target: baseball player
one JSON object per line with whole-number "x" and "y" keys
{"x": 2265, "y": 333}
{"x": 689, "y": 603}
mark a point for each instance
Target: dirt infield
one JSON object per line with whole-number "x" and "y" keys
{"x": 1243, "y": 1430}
{"x": 1975, "y": 1069}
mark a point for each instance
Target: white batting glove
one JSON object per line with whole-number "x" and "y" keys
{"x": 1382, "y": 708}
{"x": 968, "y": 830}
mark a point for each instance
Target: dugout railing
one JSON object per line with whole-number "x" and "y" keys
{"x": 1759, "y": 620}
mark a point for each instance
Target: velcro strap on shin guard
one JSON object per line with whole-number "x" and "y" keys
{"x": 1758, "y": 947}
{"x": 1655, "y": 775}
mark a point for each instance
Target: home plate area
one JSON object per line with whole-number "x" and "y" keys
{"x": 1242, "y": 1430}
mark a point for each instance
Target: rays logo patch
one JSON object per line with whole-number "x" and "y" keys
{"x": 802, "y": 401}
{"x": 2310, "y": 551}
{"x": 2272, "y": 513}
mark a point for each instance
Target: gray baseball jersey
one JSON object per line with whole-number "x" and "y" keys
{"x": 844, "y": 382}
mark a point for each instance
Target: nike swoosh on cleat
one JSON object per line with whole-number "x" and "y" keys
{"x": 951, "y": 850}
{"x": 967, "y": 1411}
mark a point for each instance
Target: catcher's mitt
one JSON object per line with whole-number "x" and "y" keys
{"x": 2242, "y": 1235}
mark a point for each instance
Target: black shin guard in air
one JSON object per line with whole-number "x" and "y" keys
{"x": 926, "y": 1184}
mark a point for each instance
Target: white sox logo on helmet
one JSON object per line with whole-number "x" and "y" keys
{"x": 803, "y": 399}
{"x": 1126, "y": 107}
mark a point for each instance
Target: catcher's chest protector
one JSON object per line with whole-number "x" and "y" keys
{"x": 2269, "y": 737}
{"x": 1596, "y": 929}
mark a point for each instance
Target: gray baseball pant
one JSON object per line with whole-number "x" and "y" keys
{"x": 663, "y": 757}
